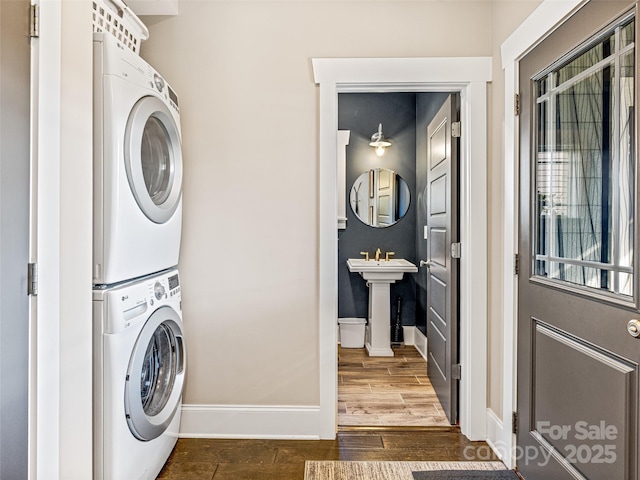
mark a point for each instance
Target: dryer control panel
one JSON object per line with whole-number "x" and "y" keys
{"x": 118, "y": 60}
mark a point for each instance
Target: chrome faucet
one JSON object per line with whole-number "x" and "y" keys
{"x": 378, "y": 252}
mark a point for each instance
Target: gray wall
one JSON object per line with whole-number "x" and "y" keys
{"x": 361, "y": 113}
{"x": 14, "y": 236}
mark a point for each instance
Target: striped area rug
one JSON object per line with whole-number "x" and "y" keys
{"x": 335, "y": 470}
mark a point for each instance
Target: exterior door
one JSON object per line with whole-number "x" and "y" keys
{"x": 15, "y": 55}
{"x": 442, "y": 276}
{"x": 578, "y": 345}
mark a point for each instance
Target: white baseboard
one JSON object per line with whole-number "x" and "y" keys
{"x": 408, "y": 335}
{"x": 247, "y": 421}
{"x": 420, "y": 342}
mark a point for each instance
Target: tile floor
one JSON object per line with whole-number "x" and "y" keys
{"x": 386, "y": 391}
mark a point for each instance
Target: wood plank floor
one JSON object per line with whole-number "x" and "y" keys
{"x": 224, "y": 459}
{"x": 386, "y": 391}
{"x": 374, "y": 391}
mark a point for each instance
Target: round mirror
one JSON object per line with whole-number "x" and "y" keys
{"x": 380, "y": 197}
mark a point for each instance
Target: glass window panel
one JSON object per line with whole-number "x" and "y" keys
{"x": 627, "y": 34}
{"x": 626, "y": 165}
{"x": 581, "y": 177}
{"x": 586, "y": 60}
{"x": 625, "y": 280}
{"x": 578, "y": 274}
{"x": 542, "y": 126}
{"x": 542, "y": 87}
{"x": 541, "y": 268}
{"x": 585, "y": 168}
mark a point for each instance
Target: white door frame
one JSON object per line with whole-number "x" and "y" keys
{"x": 543, "y": 20}
{"x": 469, "y": 76}
{"x": 60, "y": 383}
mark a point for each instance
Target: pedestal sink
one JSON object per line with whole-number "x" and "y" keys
{"x": 379, "y": 275}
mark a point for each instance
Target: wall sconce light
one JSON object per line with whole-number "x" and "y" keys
{"x": 378, "y": 142}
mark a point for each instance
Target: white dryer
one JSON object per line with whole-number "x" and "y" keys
{"x": 137, "y": 166}
{"x": 139, "y": 369}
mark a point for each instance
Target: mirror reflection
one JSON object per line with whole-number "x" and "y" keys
{"x": 380, "y": 197}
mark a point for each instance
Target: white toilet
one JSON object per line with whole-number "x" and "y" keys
{"x": 352, "y": 332}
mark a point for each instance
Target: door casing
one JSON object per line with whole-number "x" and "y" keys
{"x": 547, "y": 16}
{"x": 468, "y": 76}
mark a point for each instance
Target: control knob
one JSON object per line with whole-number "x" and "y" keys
{"x": 158, "y": 290}
{"x": 159, "y": 81}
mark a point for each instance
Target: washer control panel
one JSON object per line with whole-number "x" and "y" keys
{"x": 134, "y": 301}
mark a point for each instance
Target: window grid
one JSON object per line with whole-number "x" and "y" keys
{"x": 590, "y": 188}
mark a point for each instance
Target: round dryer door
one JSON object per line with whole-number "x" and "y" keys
{"x": 153, "y": 159}
{"x": 155, "y": 376}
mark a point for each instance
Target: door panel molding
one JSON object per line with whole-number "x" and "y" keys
{"x": 609, "y": 421}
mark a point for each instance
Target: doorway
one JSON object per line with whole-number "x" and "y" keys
{"x": 397, "y": 391}
{"x": 469, "y": 76}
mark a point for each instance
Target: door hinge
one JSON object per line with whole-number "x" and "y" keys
{"x": 32, "y": 279}
{"x": 455, "y": 129}
{"x": 514, "y": 422}
{"x": 516, "y": 104}
{"x": 516, "y": 264}
{"x": 456, "y": 371}
{"x": 34, "y": 21}
{"x": 456, "y": 250}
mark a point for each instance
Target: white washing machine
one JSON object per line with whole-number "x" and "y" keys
{"x": 139, "y": 369}
{"x": 137, "y": 166}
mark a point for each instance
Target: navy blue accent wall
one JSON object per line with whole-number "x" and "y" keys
{"x": 361, "y": 113}
{"x": 404, "y": 117}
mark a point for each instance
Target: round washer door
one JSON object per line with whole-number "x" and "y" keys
{"x": 153, "y": 159}
{"x": 155, "y": 376}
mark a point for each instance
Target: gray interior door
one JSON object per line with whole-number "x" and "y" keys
{"x": 578, "y": 284}
{"x": 387, "y": 196}
{"x": 442, "y": 276}
{"x": 14, "y": 236}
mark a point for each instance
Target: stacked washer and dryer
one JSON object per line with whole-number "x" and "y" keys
{"x": 139, "y": 348}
